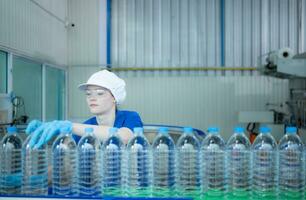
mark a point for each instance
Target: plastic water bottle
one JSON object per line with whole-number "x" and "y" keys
{"x": 264, "y": 162}
{"x": 64, "y": 158}
{"x": 35, "y": 169}
{"x": 112, "y": 164}
{"x": 213, "y": 164}
{"x": 239, "y": 165}
{"x": 163, "y": 164}
{"x": 291, "y": 165}
{"x": 139, "y": 174}
{"x": 304, "y": 156}
{"x": 10, "y": 164}
{"x": 89, "y": 165}
{"x": 187, "y": 162}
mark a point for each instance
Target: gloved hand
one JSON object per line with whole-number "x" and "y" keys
{"x": 33, "y": 125}
{"x": 46, "y": 131}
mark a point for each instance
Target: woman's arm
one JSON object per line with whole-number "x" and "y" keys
{"x": 101, "y": 131}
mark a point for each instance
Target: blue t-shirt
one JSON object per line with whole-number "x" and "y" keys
{"x": 124, "y": 118}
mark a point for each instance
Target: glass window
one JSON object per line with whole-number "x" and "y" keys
{"x": 3, "y": 72}
{"x": 55, "y": 93}
{"x": 27, "y": 84}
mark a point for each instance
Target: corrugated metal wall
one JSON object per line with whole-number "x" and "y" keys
{"x": 165, "y": 33}
{"x": 148, "y": 33}
{"x": 31, "y": 31}
{"x": 255, "y": 27}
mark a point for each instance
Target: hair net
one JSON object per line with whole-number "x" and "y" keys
{"x": 109, "y": 81}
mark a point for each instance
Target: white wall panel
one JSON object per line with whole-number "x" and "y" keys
{"x": 83, "y": 38}
{"x": 302, "y": 37}
{"x": 55, "y": 6}
{"x": 29, "y": 30}
{"x": 195, "y": 100}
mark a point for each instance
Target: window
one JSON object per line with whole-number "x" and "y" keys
{"x": 3, "y": 72}
{"x": 55, "y": 93}
{"x": 27, "y": 84}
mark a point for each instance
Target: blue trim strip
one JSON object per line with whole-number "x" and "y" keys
{"x": 95, "y": 197}
{"x": 199, "y": 132}
{"x": 108, "y": 33}
{"x": 222, "y": 29}
{"x": 7, "y": 71}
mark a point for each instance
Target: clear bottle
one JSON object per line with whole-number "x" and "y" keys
{"x": 64, "y": 162}
{"x": 213, "y": 164}
{"x": 35, "y": 169}
{"x": 163, "y": 164}
{"x": 264, "y": 162}
{"x": 291, "y": 165}
{"x": 11, "y": 162}
{"x": 139, "y": 164}
{"x": 239, "y": 165}
{"x": 89, "y": 165}
{"x": 187, "y": 163}
{"x": 112, "y": 164}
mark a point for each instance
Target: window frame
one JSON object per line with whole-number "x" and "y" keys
{"x": 5, "y": 94}
{"x": 10, "y": 54}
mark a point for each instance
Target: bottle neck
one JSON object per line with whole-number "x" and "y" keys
{"x": 89, "y": 133}
{"x": 163, "y": 134}
{"x": 139, "y": 134}
{"x": 66, "y": 133}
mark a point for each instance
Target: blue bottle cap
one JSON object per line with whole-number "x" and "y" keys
{"x": 89, "y": 130}
{"x": 238, "y": 129}
{"x": 188, "y": 130}
{"x": 264, "y": 129}
{"x": 112, "y": 130}
{"x": 138, "y": 130}
{"x": 12, "y": 129}
{"x": 291, "y": 130}
{"x": 213, "y": 130}
{"x": 163, "y": 130}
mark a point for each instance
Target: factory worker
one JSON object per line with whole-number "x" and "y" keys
{"x": 104, "y": 91}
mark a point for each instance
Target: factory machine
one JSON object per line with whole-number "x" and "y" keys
{"x": 282, "y": 64}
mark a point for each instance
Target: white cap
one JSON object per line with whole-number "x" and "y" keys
{"x": 109, "y": 81}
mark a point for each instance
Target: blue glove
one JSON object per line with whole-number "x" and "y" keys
{"x": 37, "y": 133}
{"x": 46, "y": 131}
{"x": 33, "y": 125}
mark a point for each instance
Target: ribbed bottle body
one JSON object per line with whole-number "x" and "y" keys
{"x": 291, "y": 166}
{"x": 213, "y": 178}
{"x": 264, "y": 165}
{"x": 35, "y": 169}
{"x": 89, "y": 166}
{"x": 11, "y": 164}
{"x": 64, "y": 163}
{"x": 163, "y": 165}
{"x": 188, "y": 165}
{"x": 139, "y": 167}
{"x": 113, "y": 151}
{"x": 238, "y": 164}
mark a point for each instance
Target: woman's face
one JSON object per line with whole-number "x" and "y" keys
{"x": 99, "y": 100}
